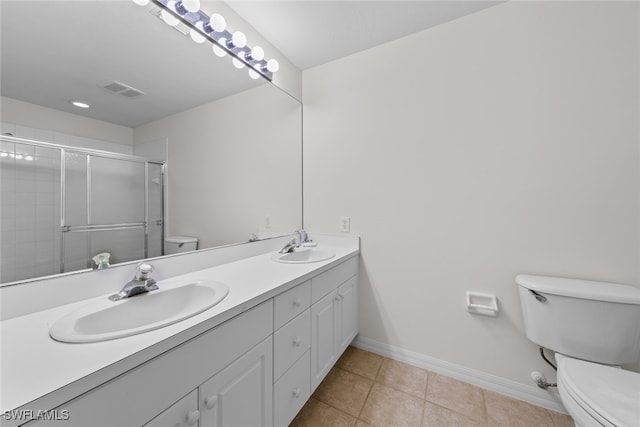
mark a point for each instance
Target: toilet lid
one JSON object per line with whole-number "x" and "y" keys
{"x": 604, "y": 392}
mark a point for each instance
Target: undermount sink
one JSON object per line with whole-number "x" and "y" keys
{"x": 105, "y": 320}
{"x": 304, "y": 255}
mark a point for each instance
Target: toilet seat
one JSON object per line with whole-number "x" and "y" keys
{"x": 608, "y": 395}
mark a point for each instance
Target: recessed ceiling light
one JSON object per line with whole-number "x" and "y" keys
{"x": 80, "y": 104}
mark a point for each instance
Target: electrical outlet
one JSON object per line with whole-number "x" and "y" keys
{"x": 345, "y": 224}
{"x": 267, "y": 222}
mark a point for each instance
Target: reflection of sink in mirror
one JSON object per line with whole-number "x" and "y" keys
{"x": 106, "y": 320}
{"x": 304, "y": 255}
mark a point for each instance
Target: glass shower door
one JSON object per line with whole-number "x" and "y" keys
{"x": 105, "y": 209}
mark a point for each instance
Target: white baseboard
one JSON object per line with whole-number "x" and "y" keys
{"x": 549, "y": 399}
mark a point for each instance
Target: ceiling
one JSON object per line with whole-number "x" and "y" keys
{"x": 313, "y": 32}
{"x": 70, "y": 48}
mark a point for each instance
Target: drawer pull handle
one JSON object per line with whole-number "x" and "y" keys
{"x": 211, "y": 401}
{"x": 297, "y": 302}
{"x": 296, "y": 392}
{"x": 192, "y": 417}
{"x": 297, "y": 342}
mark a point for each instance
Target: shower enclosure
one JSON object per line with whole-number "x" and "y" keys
{"x": 61, "y": 206}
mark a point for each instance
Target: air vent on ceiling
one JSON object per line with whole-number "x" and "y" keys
{"x": 121, "y": 89}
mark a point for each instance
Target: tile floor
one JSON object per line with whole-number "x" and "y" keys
{"x": 366, "y": 389}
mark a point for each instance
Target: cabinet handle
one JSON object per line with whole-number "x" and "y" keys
{"x": 296, "y": 392}
{"x": 297, "y": 302}
{"x": 211, "y": 401}
{"x": 297, "y": 341}
{"x": 192, "y": 417}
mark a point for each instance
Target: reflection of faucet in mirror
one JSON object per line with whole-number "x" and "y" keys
{"x": 102, "y": 260}
{"x": 140, "y": 284}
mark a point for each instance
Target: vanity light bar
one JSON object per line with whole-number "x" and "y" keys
{"x": 188, "y": 11}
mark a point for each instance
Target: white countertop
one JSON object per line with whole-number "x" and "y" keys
{"x": 39, "y": 373}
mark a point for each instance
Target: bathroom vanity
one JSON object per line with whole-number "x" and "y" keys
{"x": 251, "y": 360}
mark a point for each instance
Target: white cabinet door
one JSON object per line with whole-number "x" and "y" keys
{"x": 241, "y": 394}
{"x": 348, "y": 311}
{"x": 324, "y": 337}
{"x": 183, "y": 413}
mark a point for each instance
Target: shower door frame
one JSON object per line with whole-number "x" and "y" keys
{"x": 113, "y": 226}
{"x": 101, "y": 227}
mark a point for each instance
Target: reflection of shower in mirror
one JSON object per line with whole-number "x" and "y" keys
{"x": 69, "y": 204}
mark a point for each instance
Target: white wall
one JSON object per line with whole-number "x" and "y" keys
{"x": 26, "y": 120}
{"x": 231, "y": 163}
{"x": 504, "y": 142}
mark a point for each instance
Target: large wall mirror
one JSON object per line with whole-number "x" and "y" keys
{"x": 211, "y": 153}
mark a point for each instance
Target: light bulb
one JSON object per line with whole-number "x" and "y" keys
{"x": 237, "y": 63}
{"x": 217, "y": 23}
{"x": 191, "y": 5}
{"x": 218, "y": 50}
{"x": 257, "y": 53}
{"x": 4, "y": 154}
{"x": 273, "y": 65}
{"x": 196, "y": 36}
{"x": 141, "y": 2}
{"x": 253, "y": 74}
{"x": 19, "y": 156}
{"x": 28, "y": 157}
{"x": 239, "y": 39}
{"x": 169, "y": 18}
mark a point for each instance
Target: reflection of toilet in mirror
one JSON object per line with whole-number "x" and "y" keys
{"x": 593, "y": 327}
{"x": 180, "y": 244}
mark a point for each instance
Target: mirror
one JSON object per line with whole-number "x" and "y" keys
{"x": 232, "y": 145}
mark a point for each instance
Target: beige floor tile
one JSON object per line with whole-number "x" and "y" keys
{"x": 388, "y": 407}
{"x": 403, "y": 377}
{"x": 344, "y": 390}
{"x": 317, "y": 414}
{"x": 361, "y": 423}
{"x": 458, "y": 396}
{"x": 561, "y": 420}
{"x": 360, "y": 362}
{"x": 437, "y": 416}
{"x": 506, "y": 411}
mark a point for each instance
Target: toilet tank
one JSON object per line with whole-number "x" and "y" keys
{"x": 594, "y": 321}
{"x": 179, "y": 244}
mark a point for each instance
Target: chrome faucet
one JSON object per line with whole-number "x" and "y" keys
{"x": 140, "y": 284}
{"x": 295, "y": 243}
{"x": 289, "y": 247}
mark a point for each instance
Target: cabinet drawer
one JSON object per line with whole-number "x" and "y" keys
{"x": 324, "y": 283}
{"x": 289, "y": 304}
{"x": 290, "y": 342}
{"x": 181, "y": 414}
{"x": 291, "y": 392}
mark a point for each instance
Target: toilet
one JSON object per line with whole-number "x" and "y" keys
{"x": 180, "y": 244}
{"x": 593, "y": 328}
